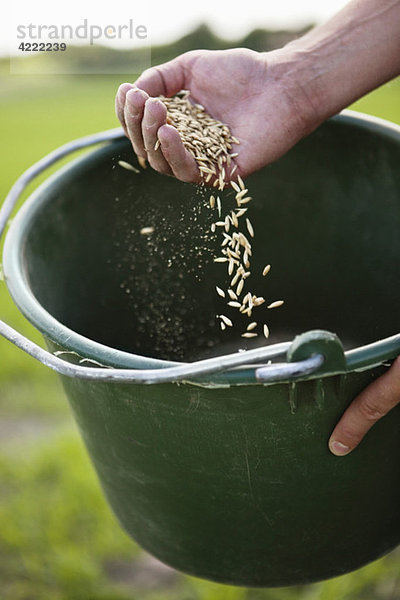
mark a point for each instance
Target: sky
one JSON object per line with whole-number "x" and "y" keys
{"x": 165, "y": 20}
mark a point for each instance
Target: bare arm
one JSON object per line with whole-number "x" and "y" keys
{"x": 353, "y": 53}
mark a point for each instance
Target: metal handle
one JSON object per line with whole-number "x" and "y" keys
{"x": 180, "y": 372}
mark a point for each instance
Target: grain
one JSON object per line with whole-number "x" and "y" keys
{"x": 241, "y": 182}
{"x": 240, "y": 287}
{"x": 226, "y": 320}
{"x": 275, "y": 304}
{"x": 127, "y": 166}
{"x": 266, "y": 270}
{"x": 249, "y": 227}
{"x": 210, "y": 143}
{"x": 147, "y": 230}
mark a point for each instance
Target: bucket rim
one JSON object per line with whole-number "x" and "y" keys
{"x": 66, "y": 338}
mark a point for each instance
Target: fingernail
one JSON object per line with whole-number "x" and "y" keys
{"x": 338, "y": 448}
{"x": 164, "y": 143}
{"x": 132, "y": 108}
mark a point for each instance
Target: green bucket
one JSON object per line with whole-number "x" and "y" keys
{"x": 216, "y": 461}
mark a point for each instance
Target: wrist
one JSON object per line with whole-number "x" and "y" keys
{"x": 296, "y": 74}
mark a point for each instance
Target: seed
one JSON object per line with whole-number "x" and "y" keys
{"x": 234, "y": 218}
{"x": 241, "y": 194}
{"x": 249, "y": 227}
{"x": 240, "y": 212}
{"x": 206, "y": 170}
{"x": 233, "y": 169}
{"x": 235, "y": 140}
{"x": 241, "y": 182}
{"x": 275, "y": 304}
{"x": 235, "y": 187}
{"x": 207, "y": 179}
{"x": 234, "y": 304}
{"x": 235, "y": 278}
{"x": 127, "y": 166}
{"x": 251, "y": 326}
{"x": 234, "y": 155}
{"x": 249, "y": 334}
{"x": 231, "y": 267}
{"x": 233, "y": 254}
{"x": 222, "y": 325}
{"x": 240, "y": 287}
{"x": 157, "y": 145}
{"x": 219, "y": 205}
{"x": 243, "y": 200}
{"x": 220, "y": 292}
{"x": 258, "y": 301}
{"x": 226, "y": 320}
{"x": 247, "y": 298}
{"x": 213, "y": 227}
{"x": 246, "y": 259}
{"x": 266, "y": 270}
{"x": 146, "y": 230}
{"x": 227, "y": 224}
{"x": 232, "y": 294}
{"x": 212, "y": 201}
{"x": 266, "y": 331}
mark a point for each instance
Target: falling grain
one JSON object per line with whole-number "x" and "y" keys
{"x": 275, "y": 304}
{"x": 127, "y": 166}
{"x": 266, "y": 270}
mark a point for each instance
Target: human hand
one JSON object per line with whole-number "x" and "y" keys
{"x": 371, "y": 405}
{"x": 251, "y": 92}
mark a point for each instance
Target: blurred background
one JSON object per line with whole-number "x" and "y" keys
{"x": 58, "y": 538}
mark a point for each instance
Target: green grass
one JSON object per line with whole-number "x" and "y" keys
{"x": 58, "y": 538}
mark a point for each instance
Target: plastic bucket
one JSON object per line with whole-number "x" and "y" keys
{"x": 221, "y": 469}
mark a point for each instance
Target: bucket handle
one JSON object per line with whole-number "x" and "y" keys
{"x": 180, "y": 372}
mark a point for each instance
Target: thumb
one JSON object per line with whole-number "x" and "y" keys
{"x": 166, "y": 79}
{"x": 368, "y": 407}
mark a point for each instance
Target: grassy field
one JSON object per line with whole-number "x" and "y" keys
{"x": 58, "y": 538}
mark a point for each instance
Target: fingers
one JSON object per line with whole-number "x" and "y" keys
{"x": 154, "y": 117}
{"x": 120, "y": 104}
{"x": 180, "y": 160}
{"x": 371, "y": 405}
{"x": 145, "y": 122}
{"x": 135, "y": 101}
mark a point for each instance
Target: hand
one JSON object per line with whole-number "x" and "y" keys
{"x": 252, "y": 92}
{"x": 371, "y": 405}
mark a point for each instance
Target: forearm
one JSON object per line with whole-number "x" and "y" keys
{"x": 343, "y": 59}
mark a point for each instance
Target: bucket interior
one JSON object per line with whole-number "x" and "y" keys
{"x": 326, "y": 217}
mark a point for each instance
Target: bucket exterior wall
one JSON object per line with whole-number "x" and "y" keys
{"x": 237, "y": 484}
{"x": 234, "y": 483}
